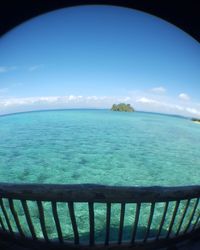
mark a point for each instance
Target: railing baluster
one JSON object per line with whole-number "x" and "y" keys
{"x": 42, "y": 220}
{"x": 73, "y": 221}
{"x": 108, "y": 213}
{"x": 6, "y": 216}
{"x": 196, "y": 222}
{"x": 2, "y": 224}
{"x": 57, "y": 221}
{"x": 186, "y": 222}
{"x": 192, "y": 215}
{"x": 14, "y": 213}
{"x": 121, "y": 223}
{"x": 91, "y": 221}
{"x": 149, "y": 221}
{"x": 173, "y": 219}
{"x": 162, "y": 220}
{"x": 137, "y": 214}
{"x": 183, "y": 216}
{"x": 28, "y": 219}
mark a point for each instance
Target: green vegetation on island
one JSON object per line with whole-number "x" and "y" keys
{"x": 122, "y": 107}
{"x": 196, "y": 120}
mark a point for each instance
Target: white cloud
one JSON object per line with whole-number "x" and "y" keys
{"x": 146, "y": 100}
{"x": 3, "y": 90}
{"x": 4, "y": 69}
{"x": 35, "y": 67}
{"x": 184, "y": 97}
{"x": 193, "y": 111}
{"x": 159, "y": 90}
{"x": 153, "y": 105}
{"x": 126, "y": 99}
{"x": 9, "y": 105}
{"x": 91, "y": 101}
{"x": 156, "y": 105}
{"x": 179, "y": 107}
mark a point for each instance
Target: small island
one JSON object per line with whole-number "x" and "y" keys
{"x": 196, "y": 120}
{"x": 122, "y": 107}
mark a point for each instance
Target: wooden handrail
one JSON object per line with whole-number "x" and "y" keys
{"x": 183, "y": 201}
{"x": 96, "y": 193}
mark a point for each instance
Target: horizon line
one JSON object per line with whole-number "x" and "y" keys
{"x": 65, "y": 109}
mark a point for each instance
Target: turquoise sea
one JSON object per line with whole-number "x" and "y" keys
{"x": 101, "y": 147}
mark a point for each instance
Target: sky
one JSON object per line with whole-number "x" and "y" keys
{"x": 94, "y": 56}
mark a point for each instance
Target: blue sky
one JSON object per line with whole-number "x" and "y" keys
{"x": 94, "y": 56}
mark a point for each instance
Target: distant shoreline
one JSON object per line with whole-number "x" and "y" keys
{"x": 197, "y": 122}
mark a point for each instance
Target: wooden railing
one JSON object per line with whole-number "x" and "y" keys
{"x": 99, "y": 216}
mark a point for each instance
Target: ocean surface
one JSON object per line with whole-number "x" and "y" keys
{"x": 100, "y": 147}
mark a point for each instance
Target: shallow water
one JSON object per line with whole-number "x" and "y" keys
{"x": 99, "y": 146}
{"x": 104, "y": 147}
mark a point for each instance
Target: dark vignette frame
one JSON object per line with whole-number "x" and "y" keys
{"x": 183, "y": 14}
{"x": 14, "y": 13}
